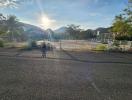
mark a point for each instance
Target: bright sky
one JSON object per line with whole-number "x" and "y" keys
{"x": 56, "y": 13}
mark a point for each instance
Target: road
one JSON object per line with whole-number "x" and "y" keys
{"x": 65, "y": 75}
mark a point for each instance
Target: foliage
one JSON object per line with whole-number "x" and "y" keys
{"x": 115, "y": 49}
{"x": 2, "y": 24}
{"x": 122, "y": 26}
{"x": 13, "y": 27}
{"x": 1, "y": 43}
{"x": 116, "y": 43}
{"x": 87, "y": 34}
{"x": 73, "y": 31}
{"x": 10, "y": 26}
{"x": 124, "y": 37}
{"x": 128, "y": 12}
{"x": 33, "y": 44}
{"x": 76, "y": 33}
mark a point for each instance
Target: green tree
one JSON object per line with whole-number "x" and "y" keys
{"x": 87, "y": 34}
{"x": 128, "y": 12}
{"x": 2, "y": 24}
{"x": 14, "y": 28}
{"x": 128, "y": 15}
{"x": 73, "y": 31}
{"x": 122, "y": 26}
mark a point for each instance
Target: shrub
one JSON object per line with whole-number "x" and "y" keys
{"x": 128, "y": 38}
{"x": 33, "y": 45}
{"x": 101, "y": 47}
{"x": 115, "y": 49}
{"x": 116, "y": 43}
{"x": 1, "y": 43}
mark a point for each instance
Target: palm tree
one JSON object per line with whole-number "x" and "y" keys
{"x": 2, "y": 17}
{"x": 2, "y": 24}
{"x": 13, "y": 27}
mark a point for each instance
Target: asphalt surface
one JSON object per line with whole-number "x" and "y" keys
{"x": 63, "y": 75}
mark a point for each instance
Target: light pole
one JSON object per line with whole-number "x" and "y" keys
{"x": 98, "y": 34}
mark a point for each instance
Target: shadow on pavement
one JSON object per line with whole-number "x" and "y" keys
{"x": 72, "y": 58}
{"x": 88, "y": 61}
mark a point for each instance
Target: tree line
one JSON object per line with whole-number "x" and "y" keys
{"x": 76, "y": 33}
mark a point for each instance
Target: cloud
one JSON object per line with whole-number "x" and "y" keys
{"x": 8, "y": 3}
{"x": 12, "y": 3}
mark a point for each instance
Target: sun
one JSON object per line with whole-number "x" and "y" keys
{"x": 46, "y": 22}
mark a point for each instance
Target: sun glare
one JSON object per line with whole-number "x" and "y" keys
{"x": 46, "y": 22}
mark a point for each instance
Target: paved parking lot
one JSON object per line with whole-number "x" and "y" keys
{"x": 65, "y": 76}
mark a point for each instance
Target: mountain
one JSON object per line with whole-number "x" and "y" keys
{"x": 61, "y": 30}
{"x": 34, "y": 32}
{"x": 29, "y": 26}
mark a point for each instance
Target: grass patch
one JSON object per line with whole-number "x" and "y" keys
{"x": 16, "y": 45}
{"x": 101, "y": 47}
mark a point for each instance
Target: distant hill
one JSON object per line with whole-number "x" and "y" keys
{"x": 61, "y": 30}
{"x": 34, "y": 32}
